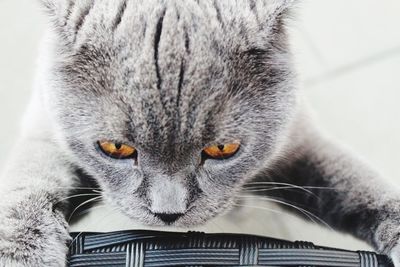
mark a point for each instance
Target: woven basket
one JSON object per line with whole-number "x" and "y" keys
{"x": 153, "y": 249}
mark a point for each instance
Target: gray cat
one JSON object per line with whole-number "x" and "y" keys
{"x": 170, "y": 108}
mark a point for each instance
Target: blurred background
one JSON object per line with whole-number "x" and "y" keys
{"x": 348, "y": 57}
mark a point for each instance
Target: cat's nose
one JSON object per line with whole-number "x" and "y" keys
{"x": 168, "y": 218}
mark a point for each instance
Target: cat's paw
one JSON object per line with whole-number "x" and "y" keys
{"x": 387, "y": 239}
{"x": 395, "y": 254}
{"x": 32, "y": 234}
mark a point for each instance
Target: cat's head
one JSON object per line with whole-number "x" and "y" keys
{"x": 171, "y": 105}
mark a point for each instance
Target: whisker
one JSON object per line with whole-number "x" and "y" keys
{"x": 306, "y": 187}
{"x": 305, "y": 212}
{"x": 283, "y": 184}
{"x": 73, "y": 240}
{"x": 263, "y": 208}
{"x": 78, "y": 188}
{"x": 291, "y": 215}
{"x": 310, "y": 217}
{"x": 82, "y": 204}
{"x": 257, "y": 189}
{"x": 75, "y": 196}
{"x": 88, "y": 210}
{"x": 69, "y": 197}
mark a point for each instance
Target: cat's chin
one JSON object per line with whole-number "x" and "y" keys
{"x": 186, "y": 222}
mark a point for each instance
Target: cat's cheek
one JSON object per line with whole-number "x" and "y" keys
{"x": 219, "y": 177}
{"x": 132, "y": 208}
{"x": 203, "y": 212}
{"x": 121, "y": 180}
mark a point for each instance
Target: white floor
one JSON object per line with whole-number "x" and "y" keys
{"x": 348, "y": 57}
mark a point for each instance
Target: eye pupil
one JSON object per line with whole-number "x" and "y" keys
{"x": 118, "y": 146}
{"x": 221, "y": 147}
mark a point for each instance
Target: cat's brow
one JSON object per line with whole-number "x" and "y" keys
{"x": 71, "y": 5}
{"x": 217, "y": 9}
{"x": 85, "y": 13}
{"x": 120, "y": 14}
{"x": 157, "y": 39}
{"x": 181, "y": 74}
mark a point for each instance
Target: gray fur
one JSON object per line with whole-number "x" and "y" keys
{"x": 170, "y": 78}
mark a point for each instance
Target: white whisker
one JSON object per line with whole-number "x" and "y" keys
{"x": 82, "y": 204}
{"x": 86, "y": 211}
{"x": 263, "y": 208}
{"x": 77, "y": 188}
{"x": 283, "y": 184}
{"x": 91, "y": 209}
{"x": 308, "y": 214}
{"x": 255, "y": 189}
{"x": 75, "y": 196}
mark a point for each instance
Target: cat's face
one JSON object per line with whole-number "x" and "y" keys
{"x": 168, "y": 79}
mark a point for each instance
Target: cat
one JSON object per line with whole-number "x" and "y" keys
{"x": 167, "y": 110}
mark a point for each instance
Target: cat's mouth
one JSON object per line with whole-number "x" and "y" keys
{"x": 197, "y": 214}
{"x": 191, "y": 218}
{"x": 144, "y": 215}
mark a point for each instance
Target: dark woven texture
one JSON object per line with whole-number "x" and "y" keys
{"x": 153, "y": 249}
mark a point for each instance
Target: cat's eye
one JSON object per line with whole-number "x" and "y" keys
{"x": 221, "y": 151}
{"x": 117, "y": 150}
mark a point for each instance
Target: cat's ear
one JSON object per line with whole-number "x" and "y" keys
{"x": 56, "y": 10}
{"x": 276, "y": 12}
{"x": 57, "y": 13}
{"x": 52, "y": 7}
{"x": 48, "y": 5}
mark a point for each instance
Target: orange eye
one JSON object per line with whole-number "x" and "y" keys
{"x": 221, "y": 151}
{"x": 116, "y": 150}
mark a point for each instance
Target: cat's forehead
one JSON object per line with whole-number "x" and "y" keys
{"x": 164, "y": 92}
{"x": 130, "y": 20}
{"x": 156, "y": 48}
{"x": 171, "y": 66}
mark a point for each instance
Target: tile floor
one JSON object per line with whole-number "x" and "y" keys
{"x": 348, "y": 58}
